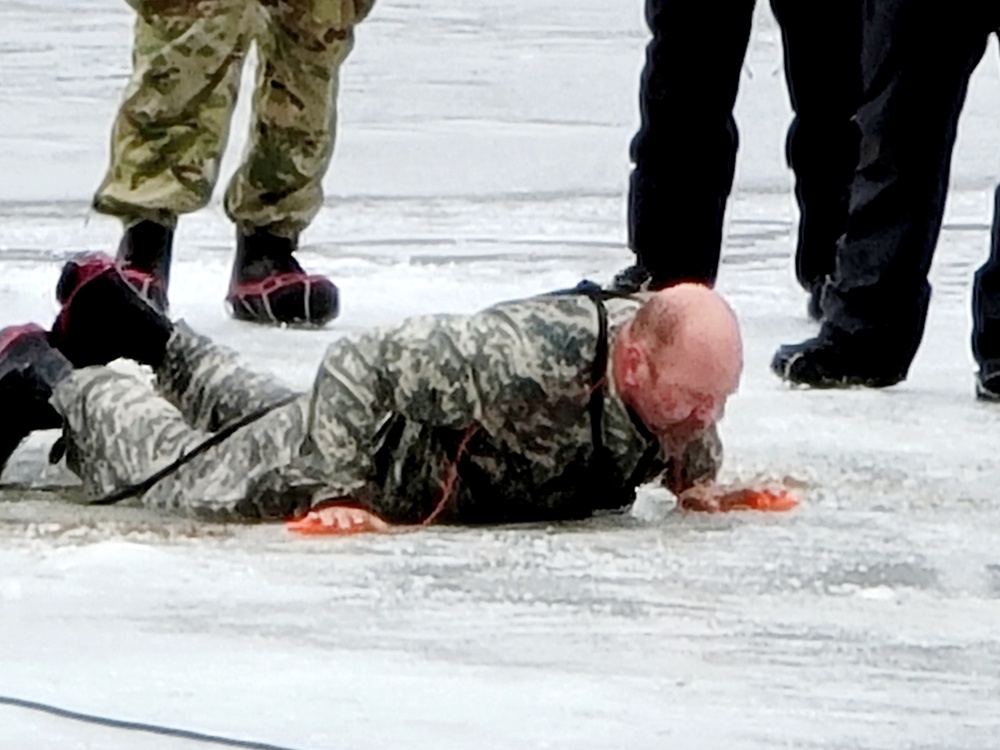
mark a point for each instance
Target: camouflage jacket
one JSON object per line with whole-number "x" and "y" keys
{"x": 491, "y": 417}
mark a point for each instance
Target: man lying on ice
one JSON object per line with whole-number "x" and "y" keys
{"x": 546, "y": 408}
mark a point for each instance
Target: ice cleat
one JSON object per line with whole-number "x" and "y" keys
{"x": 29, "y": 370}
{"x": 144, "y": 259}
{"x": 78, "y": 270}
{"x": 104, "y": 317}
{"x": 269, "y": 286}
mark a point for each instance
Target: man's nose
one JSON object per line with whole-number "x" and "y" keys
{"x": 706, "y": 414}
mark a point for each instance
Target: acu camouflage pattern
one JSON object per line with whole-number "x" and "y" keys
{"x": 390, "y": 409}
{"x": 173, "y": 126}
{"x": 384, "y": 422}
{"x": 119, "y": 431}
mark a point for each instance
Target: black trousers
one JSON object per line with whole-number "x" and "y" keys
{"x": 917, "y": 58}
{"x": 685, "y": 150}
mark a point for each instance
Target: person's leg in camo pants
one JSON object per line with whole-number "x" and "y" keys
{"x": 173, "y": 125}
{"x": 120, "y": 432}
{"x": 171, "y": 130}
{"x": 294, "y": 122}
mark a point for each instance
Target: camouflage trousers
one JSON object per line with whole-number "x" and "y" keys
{"x": 172, "y": 128}
{"x": 119, "y": 430}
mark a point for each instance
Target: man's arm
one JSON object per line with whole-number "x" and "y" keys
{"x": 696, "y": 488}
{"x": 699, "y": 463}
{"x": 347, "y": 405}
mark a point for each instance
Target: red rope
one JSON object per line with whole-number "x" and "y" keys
{"x": 448, "y": 485}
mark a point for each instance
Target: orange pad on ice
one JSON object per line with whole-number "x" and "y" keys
{"x": 337, "y": 518}
{"x": 312, "y": 524}
{"x": 751, "y": 499}
{"x": 746, "y": 498}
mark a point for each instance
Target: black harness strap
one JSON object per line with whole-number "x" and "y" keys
{"x": 136, "y": 726}
{"x": 595, "y": 407}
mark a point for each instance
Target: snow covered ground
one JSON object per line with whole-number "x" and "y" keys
{"x": 483, "y": 155}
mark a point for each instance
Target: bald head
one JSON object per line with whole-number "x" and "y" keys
{"x": 690, "y": 327}
{"x": 680, "y": 357}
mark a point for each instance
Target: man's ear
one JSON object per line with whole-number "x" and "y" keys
{"x": 632, "y": 362}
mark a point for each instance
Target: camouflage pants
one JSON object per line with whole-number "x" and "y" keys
{"x": 119, "y": 431}
{"x": 172, "y": 128}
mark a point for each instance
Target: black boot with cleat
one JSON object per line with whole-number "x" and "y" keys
{"x": 104, "y": 317}
{"x": 269, "y": 286}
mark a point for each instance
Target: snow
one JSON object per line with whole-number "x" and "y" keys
{"x": 483, "y": 156}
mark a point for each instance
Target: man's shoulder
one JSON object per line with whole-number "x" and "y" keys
{"x": 553, "y": 330}
{"x": 564, "y": 305}
{"x": 538, "y": 321}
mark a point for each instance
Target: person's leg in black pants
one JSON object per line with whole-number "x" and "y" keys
{"x": 917, "y": 58}
{"x": 986, "y": 316}
{"x": 822, "y": 45}
{"x": 685, "y": 150}
{"x": 986, "y": 302}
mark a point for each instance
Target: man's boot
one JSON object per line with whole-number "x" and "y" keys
{"x": 30, "y": 368}
{"x": 837, "y": 359}
{"x": 631, "y": 280}
{"x": 988, "y": 381}
{"x": 814, "y": 307}
{"x": 269, "y": 286}
{"x": 144, "y": 259}
{"x": 104, "y": 317}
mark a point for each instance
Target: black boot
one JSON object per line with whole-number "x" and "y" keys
{"x": 631, "y": 280}
{"x": 838, "y": 359}
{"x": 814, "y": 307}
{"x": 269, "y": 286}
{"x": 29, "y": 370}
{"x": 144, "y": 258}
{"x": 104, "y": 317}
{"x": 988, "y": 382}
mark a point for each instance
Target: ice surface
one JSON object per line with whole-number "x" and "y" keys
{"x": 483, "y": 155}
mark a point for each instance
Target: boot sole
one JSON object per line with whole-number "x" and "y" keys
{"x": 785, "y": 372}
{"x": 309, "y": 302}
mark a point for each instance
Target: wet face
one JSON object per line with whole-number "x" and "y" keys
{"x": 679, "y": 361}
{"x": 677, "y": 397}
{"x": 676, "y": 410}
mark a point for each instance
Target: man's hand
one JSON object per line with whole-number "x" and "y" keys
{"x": 338, "y": 519}
{"x": 702, "y": 497}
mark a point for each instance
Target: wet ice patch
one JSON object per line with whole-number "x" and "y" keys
{"x": 652, "y": 504}
{"x": 108, "y": 555}
{"x": 11, "y": 589}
